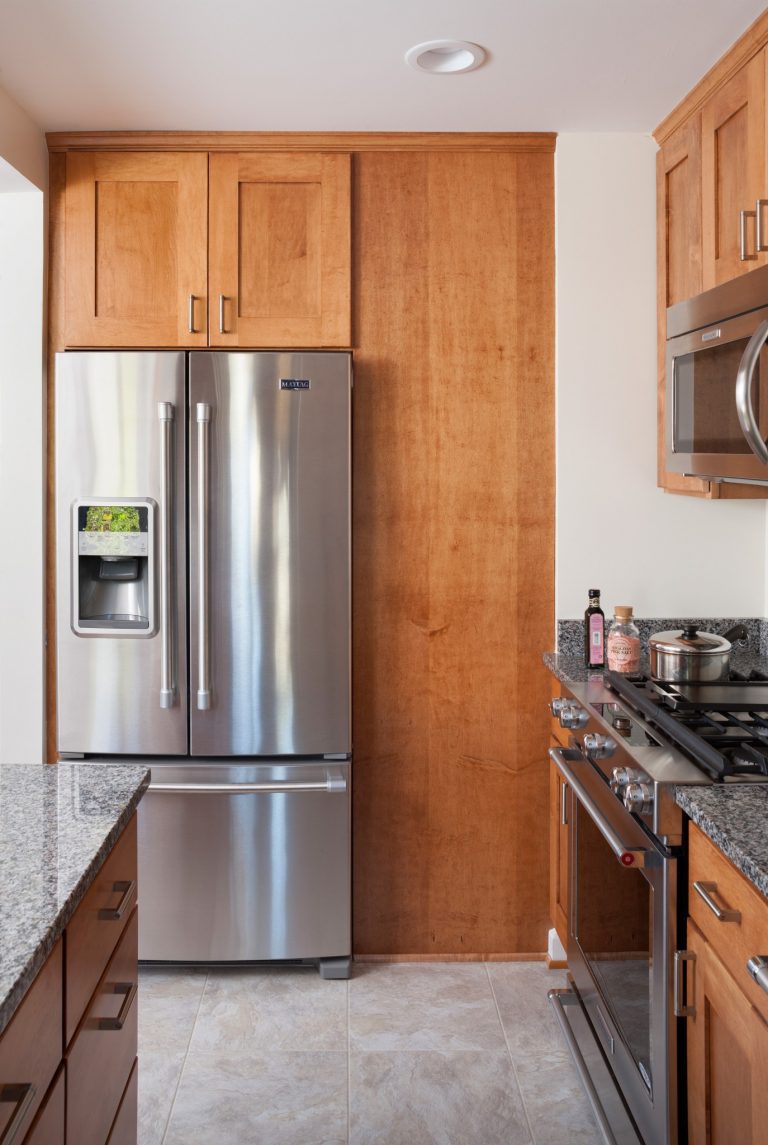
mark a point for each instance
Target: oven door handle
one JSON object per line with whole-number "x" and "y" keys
{"x": 627, "y": 856}
{"x": 744, "y": 380}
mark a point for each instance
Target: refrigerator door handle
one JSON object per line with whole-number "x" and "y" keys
{"x": 165, "y": 414}
{"x": 203, "y": 415}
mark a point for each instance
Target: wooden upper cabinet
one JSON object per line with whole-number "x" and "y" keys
{"x": 136, "y": 252}
{"x": 280, "y": 249}
{"x": 678, "y": 187}
{"x": 733, "y": 155}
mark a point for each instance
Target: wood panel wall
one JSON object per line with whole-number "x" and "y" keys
{"x": 453, "y": 551}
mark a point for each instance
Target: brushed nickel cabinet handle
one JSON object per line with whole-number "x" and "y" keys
{"x": 758, "y": 970}
{"x": 22, "y": 1096}
{"x": 759, "y": 244}
{"x": 705, "y": 891}
{"x": 114, "y": 914}
{"x": 743, "y": 254}
{"x": 564, "y": 804}
{"x": 129, "y": 989}
{"x": 222, "y": 300}
{"x": 680, "y": 1010}
{"x": 191, "y": 322}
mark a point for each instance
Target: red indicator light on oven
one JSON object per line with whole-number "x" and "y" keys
{"x": 628, "y": 859}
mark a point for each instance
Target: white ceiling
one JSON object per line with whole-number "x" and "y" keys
{"x": 289, "y": 65}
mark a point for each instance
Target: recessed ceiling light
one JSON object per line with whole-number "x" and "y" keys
{"x": 445, "y": 57}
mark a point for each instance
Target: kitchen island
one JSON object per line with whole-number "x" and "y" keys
{"x": 68, "y": 927}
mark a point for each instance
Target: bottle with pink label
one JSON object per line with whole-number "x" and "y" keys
{"x": 594, "y": 632}
{"x": 623, "y": 643}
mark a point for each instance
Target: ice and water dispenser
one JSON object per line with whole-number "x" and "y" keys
{"x": 113, "y": 558}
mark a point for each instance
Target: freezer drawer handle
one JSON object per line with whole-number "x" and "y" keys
{"x": 203, "y": 414}
{"x": 129, "y": 989}
{"x": 22, "y": 1097}
{"x": 165, "y": 413}
{"x": 333, "y": 783}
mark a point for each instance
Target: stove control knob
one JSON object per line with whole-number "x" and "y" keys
{"x": 557, "y": 705}
{"x": 621, "y": 778}
{"x": 638, "y": 797}
{"x": 572, "y": 716}
{"x": 598, "y": 747}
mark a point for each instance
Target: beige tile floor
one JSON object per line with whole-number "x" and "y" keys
{"x": 404, "y": 1054}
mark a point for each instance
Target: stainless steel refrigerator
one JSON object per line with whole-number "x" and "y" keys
{"x": 203, "y": 623}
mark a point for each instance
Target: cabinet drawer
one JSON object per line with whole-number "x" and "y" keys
{"x": 100, "y": 1058}
{"x": 735, "y": 939}
{"x": 97, "y": 925}
{"x": 49, "y": 1123}
{"x": 125, "y": 1128}
{"x": 30, "y": 1049}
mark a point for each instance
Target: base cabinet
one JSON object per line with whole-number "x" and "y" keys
{"x": 68, "y": 1068}
{"x": 727, "y": 1056}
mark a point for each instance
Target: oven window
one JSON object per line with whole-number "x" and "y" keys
{"x": 704, "y": 399}
{"x": 612, "y": 919}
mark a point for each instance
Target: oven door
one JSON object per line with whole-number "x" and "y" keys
{"x": 712, "y": 411}
{"x": 621, "y": 935}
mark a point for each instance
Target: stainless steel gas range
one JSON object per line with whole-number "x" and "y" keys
{"x": 632, "y": 742}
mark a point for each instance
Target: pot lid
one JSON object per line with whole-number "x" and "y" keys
{"x": 690, "y": 642}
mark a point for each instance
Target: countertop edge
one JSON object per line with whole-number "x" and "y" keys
{"x": 735, "y": 852}
{"x": 12, "y": 1000}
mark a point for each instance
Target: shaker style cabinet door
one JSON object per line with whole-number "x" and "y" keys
{"x": 733, "y": 174}
{"x": 727, "y": 1055}
{"x": 136, "y": 249}
{"x": 279, "y": 253}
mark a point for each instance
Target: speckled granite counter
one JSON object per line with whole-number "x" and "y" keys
{"x": 735, "y": 817}
{"x": 571, "y": 670}
{"x": 57, "y": 825}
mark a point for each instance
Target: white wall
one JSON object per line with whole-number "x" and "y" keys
{"x": 667, "y": 555}
{"x": 22, "y": 437}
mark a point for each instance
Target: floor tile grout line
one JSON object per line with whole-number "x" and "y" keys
{"x": 509, "y": 1051}
{"x": 184, "y": 1061}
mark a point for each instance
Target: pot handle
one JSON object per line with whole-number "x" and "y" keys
{"x": 738, "y": 632}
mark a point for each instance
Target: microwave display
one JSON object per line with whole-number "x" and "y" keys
{"x": 705, "y": 418}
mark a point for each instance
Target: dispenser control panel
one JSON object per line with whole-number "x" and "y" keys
{"x": 113, "y": 589}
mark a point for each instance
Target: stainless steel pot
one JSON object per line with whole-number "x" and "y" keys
{"x": 693, "y": 657}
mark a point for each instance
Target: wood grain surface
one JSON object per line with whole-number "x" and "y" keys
{"x": 453, "y": 551}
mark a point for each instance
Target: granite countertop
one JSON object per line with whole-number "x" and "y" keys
{"x": 57, "y": 825}
{"x": 733, "y": 816}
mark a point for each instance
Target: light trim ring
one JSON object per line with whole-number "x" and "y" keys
{"x": 445, "y": 57}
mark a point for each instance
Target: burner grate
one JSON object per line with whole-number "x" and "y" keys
{"x": 723, "y": 726}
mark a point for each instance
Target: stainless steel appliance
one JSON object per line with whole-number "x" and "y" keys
{"x": 717, "y": 382}
{"x": 203, "y": 586}
{"x": 633, "y": 741}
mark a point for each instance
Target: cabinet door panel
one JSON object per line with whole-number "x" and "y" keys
{"x": 280, "y": 249}
{"x": 733, "y": 161}
{"x": 727, "y": 1056}
{"x": 136, "y": 249}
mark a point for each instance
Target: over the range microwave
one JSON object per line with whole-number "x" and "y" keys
{"x": 717, "y": 382}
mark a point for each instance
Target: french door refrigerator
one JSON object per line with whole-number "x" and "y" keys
{"x": 203, "y": 623}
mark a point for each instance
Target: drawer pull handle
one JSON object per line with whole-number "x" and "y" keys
{"x": 114, "y": 914}
{"x": 22, "y": 1096}
{"x": 758, "y": 969}
{"x": 705, "y": 891}
{"x": 129, "y": 989}
{"x": 683, "y": 1008}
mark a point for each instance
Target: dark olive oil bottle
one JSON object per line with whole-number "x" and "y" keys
{"x": 594, "y": 632}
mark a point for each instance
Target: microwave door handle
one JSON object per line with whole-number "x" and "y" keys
{"x": 744, "y": 382}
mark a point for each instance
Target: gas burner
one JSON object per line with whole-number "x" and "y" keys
{"x": 748, "y": 759}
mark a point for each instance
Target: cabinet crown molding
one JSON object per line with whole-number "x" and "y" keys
{"x": 348, "y": 141}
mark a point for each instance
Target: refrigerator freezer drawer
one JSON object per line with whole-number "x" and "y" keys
{"x": 245, "y": 862}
